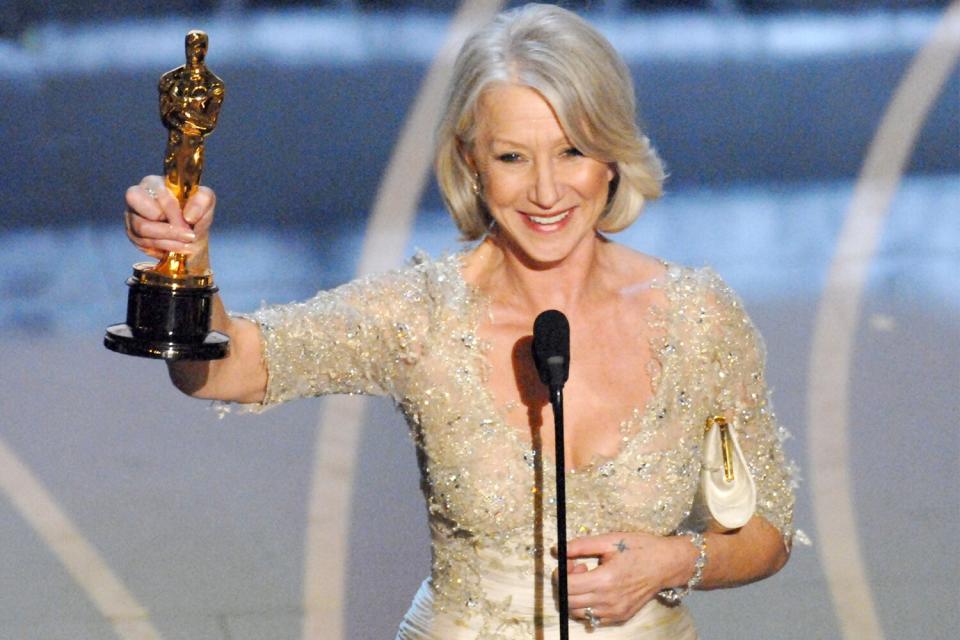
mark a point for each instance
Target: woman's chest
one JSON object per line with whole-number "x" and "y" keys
{"x": 611, "y": 371}
{"x": 485, "y": 476}
{"x": 480, "y": 419}
{"x": 482, "y": 480}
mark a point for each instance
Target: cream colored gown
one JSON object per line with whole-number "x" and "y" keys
{"x": 412, "y": 335}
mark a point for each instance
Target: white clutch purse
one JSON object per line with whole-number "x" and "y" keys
{"x": 727, "y": 488}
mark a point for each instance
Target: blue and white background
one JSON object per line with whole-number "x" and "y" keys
{"x": 814, "y": 158}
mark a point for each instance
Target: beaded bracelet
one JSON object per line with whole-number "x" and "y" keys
{"x": 673, "y": 596}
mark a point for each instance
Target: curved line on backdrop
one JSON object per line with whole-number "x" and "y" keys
{"x": 31, "y": 499}
{"x": 342, "y": 417}
{"x": 837, "y": 320}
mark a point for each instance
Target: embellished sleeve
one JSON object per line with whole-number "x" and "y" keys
{"x": 742, "y": 395}
{"x": 355, "y": 339}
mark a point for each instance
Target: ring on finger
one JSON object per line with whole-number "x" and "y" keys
{"x": 593, "y": 620}
{"x": 151, "y": 192}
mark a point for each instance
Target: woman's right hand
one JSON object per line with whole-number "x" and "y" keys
{"x": 156, "y": 225}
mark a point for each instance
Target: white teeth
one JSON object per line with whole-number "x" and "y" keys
{"x": 552, "y": 219}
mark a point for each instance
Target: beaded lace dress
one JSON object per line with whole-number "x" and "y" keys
{"x": 411, "y": 335}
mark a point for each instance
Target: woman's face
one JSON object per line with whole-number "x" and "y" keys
{"x": 545, "y": 196}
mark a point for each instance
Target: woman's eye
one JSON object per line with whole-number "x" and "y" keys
{"x": 509, "y": 157}
{"x": 573, "y": 152}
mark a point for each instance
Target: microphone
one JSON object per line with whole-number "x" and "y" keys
{"x": 551, "y": 348}
{"x": 551, "y": 354}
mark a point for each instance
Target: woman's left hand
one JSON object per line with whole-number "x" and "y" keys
{"x": 633, "y": 568}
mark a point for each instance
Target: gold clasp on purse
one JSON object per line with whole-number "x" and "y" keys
{"x": 726, "y": 444}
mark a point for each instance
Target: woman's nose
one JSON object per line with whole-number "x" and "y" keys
{"x": 545, "y": 192}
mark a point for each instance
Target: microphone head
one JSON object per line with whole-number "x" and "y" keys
{"x": 551, "y": 347}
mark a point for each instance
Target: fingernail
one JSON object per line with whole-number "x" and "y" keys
{"x": 188, "y": 236}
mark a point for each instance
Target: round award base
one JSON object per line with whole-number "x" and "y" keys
{"x": 120, "y": 338}
{"x": 168, "y": 318}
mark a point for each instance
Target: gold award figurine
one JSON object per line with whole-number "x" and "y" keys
{"x": 169, "y": 304}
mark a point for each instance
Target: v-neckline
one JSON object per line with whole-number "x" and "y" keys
{"x": 477, "y": 303}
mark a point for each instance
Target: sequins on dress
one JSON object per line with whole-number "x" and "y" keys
{"x": 411, "y": 334}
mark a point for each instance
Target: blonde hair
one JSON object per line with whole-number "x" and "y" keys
{"x": 577, "y": 71}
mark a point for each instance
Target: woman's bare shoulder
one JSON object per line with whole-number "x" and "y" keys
{"x": 632, "y": 269}
{"x": 475, "y": 261}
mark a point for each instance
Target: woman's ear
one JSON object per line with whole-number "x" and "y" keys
{"x": 466, "y": 152}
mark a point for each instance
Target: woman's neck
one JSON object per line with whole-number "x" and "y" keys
{"x": 510, "y": 278}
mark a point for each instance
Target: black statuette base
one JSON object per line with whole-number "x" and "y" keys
{"x": 120, "y": 338}
{"x": 168, "y": 323}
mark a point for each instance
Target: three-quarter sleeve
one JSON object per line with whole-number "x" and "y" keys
{"x": 355, "y": 339}
{"x": 742, "y": 394}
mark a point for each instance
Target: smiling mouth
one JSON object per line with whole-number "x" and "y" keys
{"x": 548, "y": 220}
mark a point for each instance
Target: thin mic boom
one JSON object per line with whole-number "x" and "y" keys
{"x": 551, "y": 354}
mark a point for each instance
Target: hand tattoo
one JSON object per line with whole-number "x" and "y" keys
{"x": 621, "y": 546}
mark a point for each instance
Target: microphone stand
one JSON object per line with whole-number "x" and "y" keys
{"x": 556, "y": 401}
{"x": 551, "y": 355}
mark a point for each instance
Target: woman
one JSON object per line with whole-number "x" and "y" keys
{"x": 538, "y": 156}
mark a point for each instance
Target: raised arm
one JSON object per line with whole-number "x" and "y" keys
{"x": 156, "y": 225}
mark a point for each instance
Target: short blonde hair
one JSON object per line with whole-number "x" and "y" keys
{"x": 581, "y": 76}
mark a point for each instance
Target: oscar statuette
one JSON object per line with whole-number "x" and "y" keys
{"x": 169, "y": 304}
